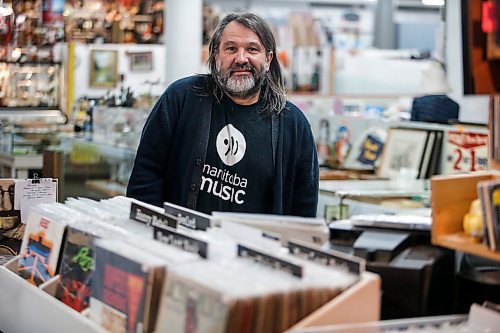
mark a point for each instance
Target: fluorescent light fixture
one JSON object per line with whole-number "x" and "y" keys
{"x": 433, "y": 2}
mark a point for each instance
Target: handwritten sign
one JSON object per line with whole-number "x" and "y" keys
{"x": 29, "y": 192}
{"x": 465, "y": 152}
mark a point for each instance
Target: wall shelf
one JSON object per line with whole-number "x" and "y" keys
{"x": 463, "y": 243}
{"x": 451, "y": 198}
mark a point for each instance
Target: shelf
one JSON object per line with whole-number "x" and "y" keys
{"x": 450, "y": 199}
{"x": 464, "y": 243}
{"x": 20, "y": 115}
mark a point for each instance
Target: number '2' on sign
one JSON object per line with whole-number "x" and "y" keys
{"x": 466, "y": 152}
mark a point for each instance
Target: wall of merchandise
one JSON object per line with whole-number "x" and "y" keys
{"x": 306, "y": 34}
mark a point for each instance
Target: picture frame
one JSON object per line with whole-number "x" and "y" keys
{"x": 103, "y": 68}
{"x": 141, "y": 61}
{"x": 402, "y": 154}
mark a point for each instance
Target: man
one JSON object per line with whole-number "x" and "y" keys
{"x": 229, "y": 140}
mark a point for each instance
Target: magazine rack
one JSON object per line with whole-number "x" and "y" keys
{"x": 26, "y": 308}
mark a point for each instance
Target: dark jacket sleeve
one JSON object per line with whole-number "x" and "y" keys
{"x": 146, "y": 181}
{"x": 306, "y": 189}
{"x": 300, "y": 165}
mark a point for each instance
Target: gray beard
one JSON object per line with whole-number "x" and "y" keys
{"x": 241, "y": 87}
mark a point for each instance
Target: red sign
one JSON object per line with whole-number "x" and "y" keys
{"x": 465, "y": 152}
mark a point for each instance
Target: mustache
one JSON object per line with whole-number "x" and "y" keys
{"x": 245, "y": 67}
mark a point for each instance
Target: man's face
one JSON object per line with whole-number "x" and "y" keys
{"x": 241, "y": 61}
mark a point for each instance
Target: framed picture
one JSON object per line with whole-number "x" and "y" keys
{"x": 402, "y": 153}
{"x": 103, "y": 68}
{"x": 141, "y": 61}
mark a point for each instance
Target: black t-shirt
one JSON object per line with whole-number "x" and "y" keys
{"x": 238, "y": 171}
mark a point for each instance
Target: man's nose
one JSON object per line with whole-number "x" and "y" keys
{"x": 242, "y": 56}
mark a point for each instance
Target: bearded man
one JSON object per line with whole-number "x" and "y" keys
{"x": 230, "y": 140}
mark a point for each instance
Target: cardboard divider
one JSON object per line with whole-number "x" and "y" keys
{"x": 50, "y": 286}
{"x": 360, "y": 303}
{"x": 27, "y": 308}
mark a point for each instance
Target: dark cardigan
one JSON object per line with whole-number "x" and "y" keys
{"x": 171, "y": 154}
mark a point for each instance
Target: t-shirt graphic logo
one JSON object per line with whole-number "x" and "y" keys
{"x": 231, "y": 145}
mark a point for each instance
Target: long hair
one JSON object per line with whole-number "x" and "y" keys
{"x": 273, "y": 89}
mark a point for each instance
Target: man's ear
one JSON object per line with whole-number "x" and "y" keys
{"x": 216, "y": 55}
{"x": 269, "y": 57}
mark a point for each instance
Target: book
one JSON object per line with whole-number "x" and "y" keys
{"x": 435, "y": 158}
{"x": 126, "y": 287}
{"x": 489, "y": 195}
{"x": 425, "y": 162}
{"x": 41, "y": 247}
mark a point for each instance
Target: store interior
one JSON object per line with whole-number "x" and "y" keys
{"x": 402, "y": 99}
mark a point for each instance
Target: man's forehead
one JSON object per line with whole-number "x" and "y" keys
{"x": 236, "y": 32}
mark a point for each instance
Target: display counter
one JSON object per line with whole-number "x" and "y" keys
{"x": 92, "y": 167}
{"x": 371, "y": 197}
{"x": 21, "y": 148}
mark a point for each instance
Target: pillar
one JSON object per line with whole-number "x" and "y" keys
{"x": 183, "y": 38}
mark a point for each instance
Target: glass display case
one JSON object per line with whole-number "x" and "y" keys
{"x": 119, "y": 126}
{"x": 34, "y": 85}
{"x": 22, "y": 141}
{"x": 97, "y": 161}
{"x": 31, "y": 111}
{"x": 92, "y": 168}
{"x": 21, "y": 149}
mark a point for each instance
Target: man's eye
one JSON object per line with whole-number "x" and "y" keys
{"x": 230, "y": 49}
